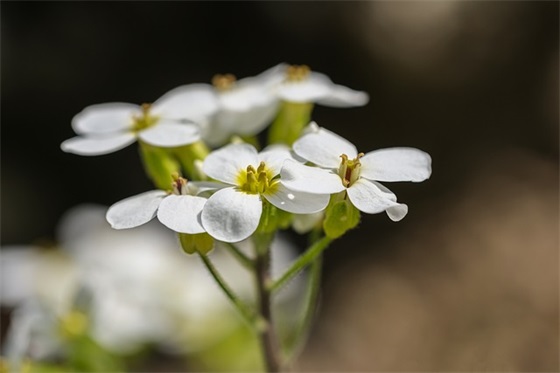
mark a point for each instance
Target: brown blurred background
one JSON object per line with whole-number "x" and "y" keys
{"x": 468, "y": 281}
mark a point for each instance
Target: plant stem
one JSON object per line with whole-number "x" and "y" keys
{"x": 245, "y": 260}
{"x": 267, "y": 335}
{"x": 248, "y": 314}
{"x": 305, "y": 259}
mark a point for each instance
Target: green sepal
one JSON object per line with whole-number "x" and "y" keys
{"x": 272, "y": 218}
{"x": 340, "y": 217}
{"x": 187, "y": 155}
{"x": 193, "y": 243}
{"x": 289, "y": 123}
{"x": 159, "y": 165}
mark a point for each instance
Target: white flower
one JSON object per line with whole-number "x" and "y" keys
{"x": 233, "y": 214}
{"x": 106, "y": 128}
{"x": 341, "y": 168}
{"x": 240, "y": 107}
{"x": 302, "y": 85}
{"x": 179, "y": 210}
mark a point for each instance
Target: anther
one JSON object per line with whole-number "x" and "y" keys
{"x": 223, "y": 82}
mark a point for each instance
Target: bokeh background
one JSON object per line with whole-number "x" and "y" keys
{"x": 467, "y": 281}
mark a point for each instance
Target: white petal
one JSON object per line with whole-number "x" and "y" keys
{"x": 226, "y": 163}
{"x": 297, "y": 202}
{"x": 168, "y": 134}
{"x": 182, "y": 213}
{"x": 311, "y": 89}
{"x": 227, "y": 123}
{"x": 369, "y": 198}
{"x": 105, "y": 118}
{"x": 324, "y": 148}
{"x": 341, "y": 96}
{"x": 196, "y": 188}
{"x": 268, "y": 78}
{"x": 396, "y": 164}
{"x": 98, "y": 145}
{"x": 310, "y": 179}
{"x": 194, "y": 102}
{"x": 17, "y": 267}
{"x": 232, "y": 216}
{"x": 135, "y": 211}
{"x": 275, "y": 155}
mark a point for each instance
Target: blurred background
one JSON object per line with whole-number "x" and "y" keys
{"x": 467, "y": 281}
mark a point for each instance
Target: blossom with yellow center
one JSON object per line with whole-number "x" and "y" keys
{"x": 178, "y": 209}
{"x": 340, "y": 168}
{"x": 168, "y": 122}
{"x": 232, "y": 214}
{"x": 302, "y": 85}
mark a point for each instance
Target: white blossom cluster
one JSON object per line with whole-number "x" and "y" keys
{"x": 239, "y": 179}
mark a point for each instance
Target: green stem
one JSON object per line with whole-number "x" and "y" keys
{"x": 245, "y": 311}
{"x": 267, "y": 334}
{"x": 243, "y": 259}
{"x": 306, "y": 258}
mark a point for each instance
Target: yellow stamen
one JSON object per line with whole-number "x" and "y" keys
{"x": 223, "y": 82}
{"x": 297, "y": 73}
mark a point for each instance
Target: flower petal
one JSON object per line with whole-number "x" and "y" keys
{"x": 308, "y": 179}
{"x": 371, "y": 199}
{"x": 275, "y": 155}
{"x": 135, "y": 211}
{"x": 105, "y": 118}
{"x": 396, "y": 164}
{"x": 232, "y": 216}
{"x": 195, "y": 102}
{"x": 324, "y": 148}
{"x": 226, "y": 163}
{"x": 341, "y": 96}
{"x": 168, "y": 134}
{"x": 297, "y": 202}
{"x": 98, "y": 145}
{"x": 182, "y": 213}
{"x": 311, "y": 89}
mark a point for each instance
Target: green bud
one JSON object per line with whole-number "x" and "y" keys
{"x": 289, "y": 123}
{"x": 188, "y": 155}
{"x": 159, "y": 165}
{"x": 341, "y": 216}
{"x": 272, "y": 219}
{"x": 192, "y": 243}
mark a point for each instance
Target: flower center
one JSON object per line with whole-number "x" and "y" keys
{"x": 297, "y": 73}
{"x": 179, "y": 185}
{"x": 223, "y": 82}
{"x": 256, "y": 181}
{"x": 349, "y": 169}
{"x": 144, "y": 120}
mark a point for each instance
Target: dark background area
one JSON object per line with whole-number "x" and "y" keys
{"x": 468, "y": 82}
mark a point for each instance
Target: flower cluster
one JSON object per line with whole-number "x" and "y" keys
{"x": 241, "y": 191}
{"x": 216, "y": 185}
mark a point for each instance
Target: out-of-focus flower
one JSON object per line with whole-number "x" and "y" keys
{"x": 134, "y": 287}
{"x": 342, "y": 168}
{"x": 106, "y": 128}
{"x": 232, "y": 214}
{"x": 244, "y": 107}
{"x": 301, "y": 85}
